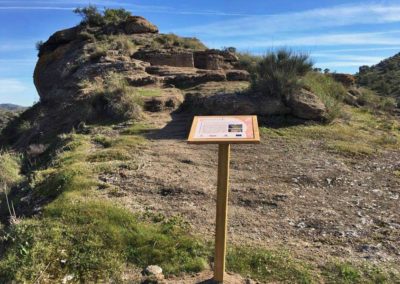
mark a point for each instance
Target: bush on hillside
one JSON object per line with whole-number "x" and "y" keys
{"x": 248, "y": 61}
{"x": 116, "y": 15}
{"x": 278, "y": 73}
{"x": 327, "y": 89}
{"x": 9, "y": 170}
{"x": 172, "y": 40}
{"x": 114, "y": 98}
{"x": 369, "y": 98}
{"x": 93, "y": 17}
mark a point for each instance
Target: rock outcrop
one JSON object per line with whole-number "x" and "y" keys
{"x": 347, "y": 80}
{"x": 84, "y": 69}
{"x": 307, "y": 105}
{"x": 139, "y": 25}
{"x": 133, "y": 49}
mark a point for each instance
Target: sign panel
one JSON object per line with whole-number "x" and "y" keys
{"x": 224, "y": 129}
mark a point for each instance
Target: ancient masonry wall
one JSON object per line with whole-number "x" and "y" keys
{"x": 175, "y": 59}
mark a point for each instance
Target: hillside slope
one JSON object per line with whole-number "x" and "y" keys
{"x": 100, "y": 182}
{"x": 383, "y": 77}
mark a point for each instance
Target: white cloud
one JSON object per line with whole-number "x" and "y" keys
{"x": 362, "y": 49}
{"x": 35, "y": 8}
{"x": 11, "y": 86}
{"x": 335, "y": 60}
{"x": 299, "y": 21}
{"x": 359, "y": 58}
{"x": 341, "y": 64}
{"x": 389, "y": 38}
{"x": 59, "y": 5}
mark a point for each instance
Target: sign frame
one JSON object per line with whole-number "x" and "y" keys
{"x": 254, "y": 140}
{"x": 221, "y": 221}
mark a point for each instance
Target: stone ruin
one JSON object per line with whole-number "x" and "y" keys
{"x": 210, "y": 59}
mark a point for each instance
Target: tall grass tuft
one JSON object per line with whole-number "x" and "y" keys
{"x": 278, "y": 73}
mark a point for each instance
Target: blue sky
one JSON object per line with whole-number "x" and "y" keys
{"x": 339, "y": 35}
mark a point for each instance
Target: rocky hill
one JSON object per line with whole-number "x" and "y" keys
{"x": 100, "y": 186}
{"x": 11, "y": 107}
{"x": 382, "y": 77}
{"x": 117, "y": 69}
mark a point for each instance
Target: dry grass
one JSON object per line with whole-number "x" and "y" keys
{"x": 358, "y": 132}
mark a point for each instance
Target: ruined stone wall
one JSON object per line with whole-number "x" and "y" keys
{"x": 214, "y": 59}
{"x": 175, "y": 59}
{"x": 207, "y": 60}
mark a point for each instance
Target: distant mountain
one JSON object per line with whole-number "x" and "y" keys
{"x": 8, "y": 112}
{"x": 11, "y": 107}
{"x": 384, "y": 77}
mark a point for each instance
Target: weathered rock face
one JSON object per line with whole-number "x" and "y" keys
{"x": 305, "y": 104}
{"x": 75, "y": 55}
{"x": 138, "y": 25}
{"x": 347, "y": 80}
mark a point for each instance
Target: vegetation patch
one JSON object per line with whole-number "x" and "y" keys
{"x": 353, "y": 148}
{"x": 174, "y": 41}
{"x": 82, "y": 235}
{"x": 383, "y": 78}
{"x": 91, "y": 16}
{"x": 328, "y": 90}
{"x": 267, "y": 266}
{"x": 348, "y": 273}
{"x": 10, "y": 165}
{"x": 138, "y": 129}
{"x": 114, "y": 98}
{"x": 357, "y": 132}
{"x": 278, "y": 73}
{"x": 148, "y": 92}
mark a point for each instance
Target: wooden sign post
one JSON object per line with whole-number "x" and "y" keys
{"x": 223, "y": 130}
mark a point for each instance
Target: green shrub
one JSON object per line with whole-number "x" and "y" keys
{"x": 90, "y": 15}
{"x": 99, "y": 49}
{"x": 115, "y": 16}
{"x": 10, "y": 165}
{"x": 122, "y": 101}
{"x": 172, "y": 40}
{"x": 267, "y": 266}
{"x": 82, "y": 234}
{"x": 248, "y": 61}
{"x": 123, "y": 44}
{"x": 113, "y": 98}
{"x": 278, "y": 73}
{"x": 93, "y": 17}
{"x": 371, "y": 100}
{"x": 328, "y": 90}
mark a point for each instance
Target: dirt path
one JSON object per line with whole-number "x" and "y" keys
{"x": 294, "y": 195}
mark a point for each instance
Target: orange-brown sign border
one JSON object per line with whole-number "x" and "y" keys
{"x": 254, "y": 140}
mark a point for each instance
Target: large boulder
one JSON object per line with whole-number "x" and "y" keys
{"x": 139, "y": 25}
{"x": 59, "y": 38}
{"x": 237, "y": 75}
{"x": 347, "y": 80}
{"x": 307, "y": 105}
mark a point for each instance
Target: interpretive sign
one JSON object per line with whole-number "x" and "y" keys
{"x": 223, "y": 130}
